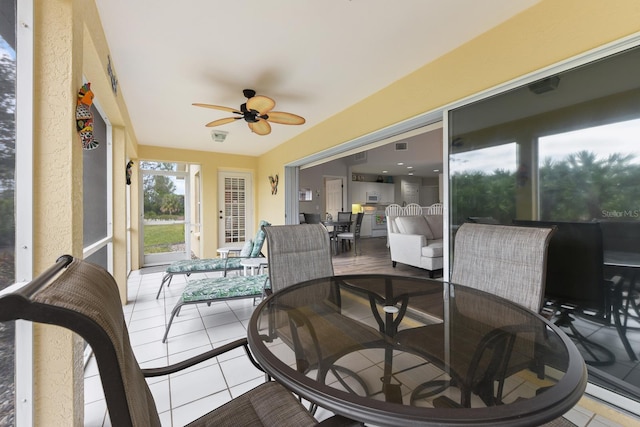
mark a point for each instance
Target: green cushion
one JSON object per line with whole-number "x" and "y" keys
{"x": 224, "y": 288}
{"x": 204, "y": 265}
{"x": 259, "y": 240}
{"x": 247, "y": 248}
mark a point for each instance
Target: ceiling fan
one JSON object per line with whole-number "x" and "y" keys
{"x": 256, "y": 112}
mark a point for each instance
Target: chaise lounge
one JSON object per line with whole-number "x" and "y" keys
{"x": 251, "y": 249}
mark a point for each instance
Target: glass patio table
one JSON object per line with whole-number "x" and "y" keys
{"x": 392, "y": 350}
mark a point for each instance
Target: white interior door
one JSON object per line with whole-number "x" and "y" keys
{"x": 333, "y": 192}
{"x": 235, "y": 208}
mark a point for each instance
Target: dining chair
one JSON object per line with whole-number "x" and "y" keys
{"x": 84, "y": 298}
{"x": 352, "y": 236}
{"x": 345, "y": 216}
{"x": 312, "y": 218}
{"x": 298, "y": 253}
{"x": 507, "y": 261}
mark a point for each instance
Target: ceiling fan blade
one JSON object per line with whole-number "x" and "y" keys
{"x": 261, "y": 127}
{"x": 218, "y": 107}
{"x": 222, "y": 121}
{"x": 261, "y": 104}
{"x": 285, "y": 118}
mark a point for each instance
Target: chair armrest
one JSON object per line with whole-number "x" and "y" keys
{"x": 177, "y": 367}
{"x": 413, "y": 240}
{"x": 406, "y": 248}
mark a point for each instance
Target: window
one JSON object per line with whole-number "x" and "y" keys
{"x": 591, "y": 173}
{"x": 564, "y": 148}
{"x": 97, "y": 221}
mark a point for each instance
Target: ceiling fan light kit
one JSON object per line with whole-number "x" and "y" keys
{"x": 256, "y": 112}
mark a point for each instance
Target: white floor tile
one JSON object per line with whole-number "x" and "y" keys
{"x": 94, "y": 413}
{"x": 184, "y": 342}
{"x": 161, "y": 395}
{"x": 196, "y": 385}
{"x": 192, "y": 411}
{"x": 93, "y": 389}
{"x": 239, "y": 370}
{"x": 231, "y": 331}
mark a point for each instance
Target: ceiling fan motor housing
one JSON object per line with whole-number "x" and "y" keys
{"x": 250, "y": 116}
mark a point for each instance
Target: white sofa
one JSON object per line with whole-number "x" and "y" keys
{"x": 416, "y": 240}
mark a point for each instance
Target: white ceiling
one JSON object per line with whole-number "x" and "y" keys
{"x": 313, "y": 57}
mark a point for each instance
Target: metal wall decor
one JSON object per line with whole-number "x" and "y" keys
{"x": 112, "y": 76}
{"x": 274, "y": 184}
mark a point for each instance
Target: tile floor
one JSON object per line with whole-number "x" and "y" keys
{"x": 181, "y": 398}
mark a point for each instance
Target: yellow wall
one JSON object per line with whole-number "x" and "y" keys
{"x": 69, "y": 46}
{"x": 545, "y": 34}
{"x": 210, "y": 165}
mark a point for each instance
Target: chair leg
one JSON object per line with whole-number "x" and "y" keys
{"x": 174, "y": 313}
{"x": 165, "y": 279}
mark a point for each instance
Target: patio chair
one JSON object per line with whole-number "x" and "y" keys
{"x": 84, "y": 298}
{"x": 298, "y": 253}
{"x": 251, "y": 249}
{"x": 507, "y": 261}
{"x": 353, "y": 236}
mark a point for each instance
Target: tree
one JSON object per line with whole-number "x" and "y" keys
{"x": 7, "y": 149}
{"x": 155, "y": 188}
{"x": 583, "y": 187}
{"x": 172, "y": 204}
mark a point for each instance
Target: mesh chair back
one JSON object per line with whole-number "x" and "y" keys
{"x": 344, "y": 216}
{"x": 85, "y": 299}
{"x": 507, "y": 261}
{"x": 312, "y": 218}
{"x": 297, "y": 253}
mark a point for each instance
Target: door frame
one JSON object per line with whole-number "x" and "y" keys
{"x": 249, "y": 208}
{"x": 167, "y": 257}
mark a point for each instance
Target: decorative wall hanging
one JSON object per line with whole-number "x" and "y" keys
{"x": 84, "y": 117}
{"x": 129, "y": 171}
{"x": 112, "y": 76}
{"x": 274, "y": 184}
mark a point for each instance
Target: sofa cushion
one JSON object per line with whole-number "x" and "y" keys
{"x": 433, "y": 250}
{"x": 435, "y": 224}
{"x": 414, "y": 225}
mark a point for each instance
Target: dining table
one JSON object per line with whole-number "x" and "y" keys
{"x": 393, "y": 350}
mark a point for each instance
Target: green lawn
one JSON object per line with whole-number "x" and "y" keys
{"x": 159, "y": 238}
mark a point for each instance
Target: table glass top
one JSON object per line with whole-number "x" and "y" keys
{"x": 405, "y": 344}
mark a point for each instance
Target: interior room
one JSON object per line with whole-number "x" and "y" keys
{"x": 155, "y": 143}
{"x": 401, "y": 172}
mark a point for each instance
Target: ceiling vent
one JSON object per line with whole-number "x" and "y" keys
{"x": 219, "y": 135}
{"x": 360, "y": 157}
{"x": 545, "y": 85}
{"x": 402, "y": 146}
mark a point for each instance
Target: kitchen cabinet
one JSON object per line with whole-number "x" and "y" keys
{"x": 359, "y": 190}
